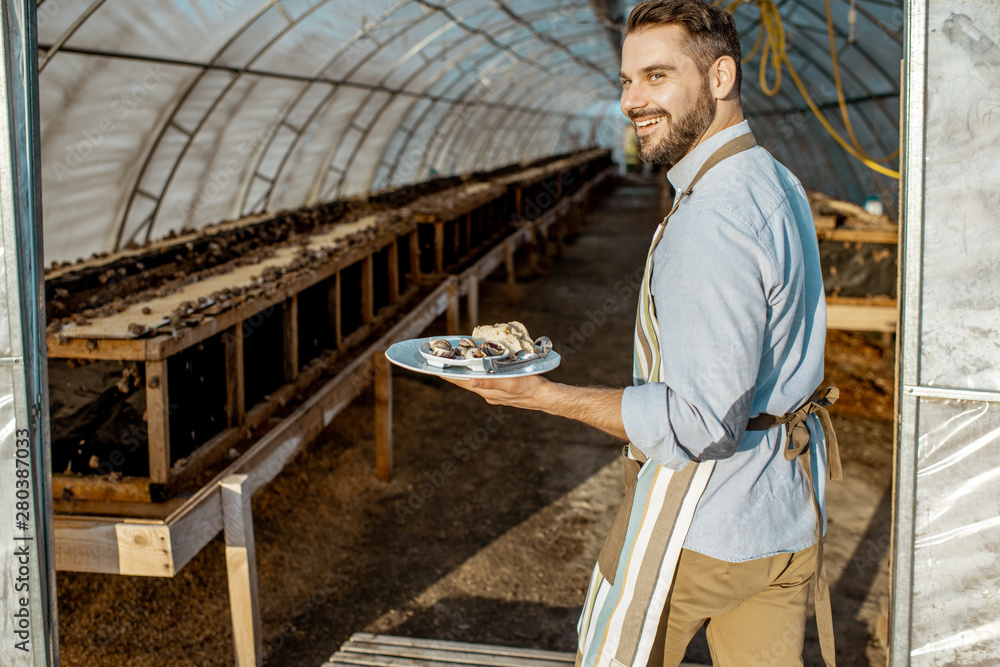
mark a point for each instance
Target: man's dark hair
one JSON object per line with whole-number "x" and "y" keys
{"x": 711, "y": 31}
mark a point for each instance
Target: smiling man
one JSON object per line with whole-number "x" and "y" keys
{"x": 727, "y": 458}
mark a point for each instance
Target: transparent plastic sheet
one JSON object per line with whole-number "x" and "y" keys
{"x": 545, "y": 64}
{"x": 956, "y": 602}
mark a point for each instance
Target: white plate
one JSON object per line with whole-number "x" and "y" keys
{"x": 406, "y": 354}
{"x": 442, "y": 362}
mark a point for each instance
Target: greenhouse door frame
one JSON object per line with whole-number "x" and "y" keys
{"x": 29, "y": 628}
{"x": 945, "y": 521}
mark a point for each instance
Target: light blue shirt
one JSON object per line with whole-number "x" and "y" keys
{"x": 741, "y": 311}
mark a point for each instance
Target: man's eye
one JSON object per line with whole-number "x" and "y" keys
{"x": 654, "y": 77}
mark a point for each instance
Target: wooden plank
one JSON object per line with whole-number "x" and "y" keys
{"x": 439, "y": 247}
{"x": 861, "y": 317}
{"x": 209, "y": 453}
{"x": 454, "y": 315}
{"x": 472, "y": 299}
{"x": 113, "y": 349}
{"x": 367, "y": 290}
{"x": 241, "y": 568}
{"x": 508, "y": 261}
{"x": 144, "y": 550}
{"x": 290, "y": 334}
{"x": 362, "y": 641}
{"x": 415, "y": 257}
{"x": 127, "y": 490}
{"x": 824, "y": 222}
{"x": 158, "y": 421}
{"x": 235, "y": 392}
{"x": 133, "y": 510}
{"x": 86, "y": 546}
{"x": 383, "y": 415}
{"x": 888, "y": 237}
{"x": 109, "y": 545}
{"x": 338, "y": 311}
{"x": 394, "y": 271}
{"x": 886, "y": 301}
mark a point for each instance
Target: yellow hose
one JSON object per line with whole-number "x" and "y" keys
{"x": 773, "y": 52}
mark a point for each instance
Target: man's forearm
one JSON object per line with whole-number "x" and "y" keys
{"x": 595, "y": 406}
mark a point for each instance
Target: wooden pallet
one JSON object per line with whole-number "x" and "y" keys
{"x": 368, "y": 650}
{"x": 387, "y": 651}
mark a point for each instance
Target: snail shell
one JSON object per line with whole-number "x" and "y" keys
{"x": 493, "y": 349}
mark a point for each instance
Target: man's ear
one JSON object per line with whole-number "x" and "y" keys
{"x": 722, "y": 77}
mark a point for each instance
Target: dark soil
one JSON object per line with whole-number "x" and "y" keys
{"x": 491, "y": 524}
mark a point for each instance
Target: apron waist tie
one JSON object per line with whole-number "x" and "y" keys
{"x": 797, "y": 447}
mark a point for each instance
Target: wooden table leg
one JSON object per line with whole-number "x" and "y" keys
{"x": 158, "y": 421}
{"x": 235, "y": 403}
{"x": 454, "y": 312}
{"x": 290, "y": 326}
{"x": 439, "y": 247}
{"x": 383, "y": 416}
{"x": 241, "y": 566}
{"x": 472, "y": 290}
{"x": 508, "y": 261}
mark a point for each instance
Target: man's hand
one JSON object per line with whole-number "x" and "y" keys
{"x": 522, "y": 392}
{"x": 594, "y": 406}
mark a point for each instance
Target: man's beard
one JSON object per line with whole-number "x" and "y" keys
{"x": 681, "y": 135}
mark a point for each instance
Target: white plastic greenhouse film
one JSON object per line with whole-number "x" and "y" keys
{"x": 946, "y": 603}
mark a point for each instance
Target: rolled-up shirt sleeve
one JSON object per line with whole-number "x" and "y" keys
{"x": 711, "y": 280}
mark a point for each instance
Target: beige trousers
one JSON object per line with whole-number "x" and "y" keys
{"x": 755, "y": 611}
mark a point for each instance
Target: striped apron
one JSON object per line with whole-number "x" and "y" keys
{"x": 631, "y": 582}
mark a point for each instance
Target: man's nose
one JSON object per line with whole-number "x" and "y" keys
{"x": 634, "y": 98}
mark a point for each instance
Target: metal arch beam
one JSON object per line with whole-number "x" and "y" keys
{"x": 526, "y": 91}
{"x": 409, "y": 135}
{"x": 315, "y": 192}
{"x": 548, "y": 40}
{"x": 381, "y": 161}
{"x": 840, "y": 33}
{"x": 335, "y": 147}
{"x": 827, "y": 155}
{"x": 464, "y": 104}
{"x": 316, "y": 78}
{"x": 453, "y": 139}
{"x": 543, "y": 112}
{"x": 612, "y": 14}
{"x": 436, "y": 134}
{"x": 321, "y": 104}
{"x": 548, "y": 69}
{"x": 135, "y": 185}
{"x": 846, "y": 166}
{"x": 527, "y": 88}
{"x": 896, "y": 37}
{"x": 829, "y": 76}
{"x": 808, "y": 166}
{"x": 69, "y": 32}
{"x": 456, "y": 21}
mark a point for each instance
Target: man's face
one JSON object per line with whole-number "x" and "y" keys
{"x": 664, "y": 94}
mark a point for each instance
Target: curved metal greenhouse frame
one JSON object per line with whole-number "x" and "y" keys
{"x": 181, "y": 114}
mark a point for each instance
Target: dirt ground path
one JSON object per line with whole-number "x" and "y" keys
{"x": 491, "y": 524}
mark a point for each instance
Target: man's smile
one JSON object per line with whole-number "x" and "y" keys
{"x": 646, "y": 126}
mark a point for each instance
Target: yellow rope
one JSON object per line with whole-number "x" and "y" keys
{"x": 772, "y": 44}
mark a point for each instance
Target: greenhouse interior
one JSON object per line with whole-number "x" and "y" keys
{"x": 254, "y": 250}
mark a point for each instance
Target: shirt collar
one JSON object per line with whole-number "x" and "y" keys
{"x": 682, "y": 173}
